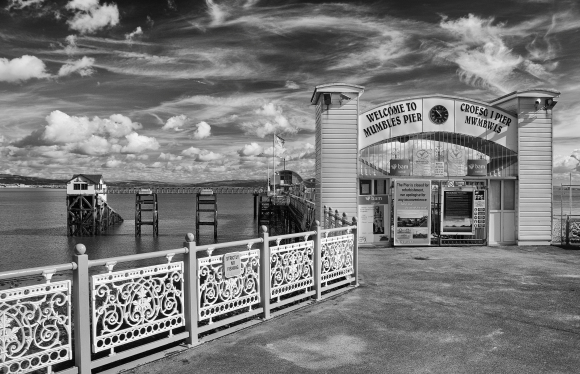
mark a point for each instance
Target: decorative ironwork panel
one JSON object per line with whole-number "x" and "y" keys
{"x": 219, "y": 295}
{"x": 337, "y": 256}
{"x": 35, "y": 327}
{"x": 557, "y": 230}
{"x": 574, "y": 232}
{"x": 134, "y": 304}
{"x": 291, "y": 267}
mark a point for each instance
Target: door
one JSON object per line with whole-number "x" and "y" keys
{"x": 502, "y": 212}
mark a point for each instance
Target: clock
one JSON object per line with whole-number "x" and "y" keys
{"x": 438, "y": 114}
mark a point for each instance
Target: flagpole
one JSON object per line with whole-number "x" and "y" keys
{"x": 274, "y": 161}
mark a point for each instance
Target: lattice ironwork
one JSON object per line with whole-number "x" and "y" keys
{"x": 130, "y": 305}
{"x": 291, "y": 268}
{"x": 558, "y": 235}
{"x": 574, "y": 232}
{"x": 219, "y": 295}
{"x": 337, "y": 256}
{"x": 35, "y": 327}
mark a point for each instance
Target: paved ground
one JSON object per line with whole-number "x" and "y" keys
{"x": 419, "y": 310}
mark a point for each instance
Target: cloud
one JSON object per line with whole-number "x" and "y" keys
{"x": 170, "y": 157}
{"x": 176, "y": 123}
{"x": 21, "y": 4}
{"x": 90, "y": 16}
{"x": 112, "y": 163}
{"x": 138, "y": 31}
{"x": 191, "y": 152}
{"x": 292, "y": 85}
{"x": 138, "y": 143}
{"x": 202, "y": 131}
{"x": 252, "y": 149}
{"x": 84, "y": 67}
{"x": 273, "y": 121}
{"x": 216, "y": 12}
{"x": 206, "y": 155}
{"x": 71, "y": 47}
{"x": 22, "y": 69}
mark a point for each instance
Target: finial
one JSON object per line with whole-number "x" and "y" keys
{"x": 264, "y": 229}
{"x": 80, "y": 249}
{"x": 189, "y": 237}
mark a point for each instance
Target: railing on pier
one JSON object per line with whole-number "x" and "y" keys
{"x": 183, "y": 190}
{"x": 115, "y": 314}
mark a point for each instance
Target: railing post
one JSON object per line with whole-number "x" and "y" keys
{"x": 324, "y": 217}
{"x": 265, "y": 272}
{"x": 190, "y": 290}
{"x": 337, "y": 219}
{"x": 355, "y": 251}
{"x": 317, "y": 261}
{"x": 81, "y": 310}
{"x": 568, "y": 229}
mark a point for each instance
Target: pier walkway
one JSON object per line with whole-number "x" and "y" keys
{"x": 419, "y": 310}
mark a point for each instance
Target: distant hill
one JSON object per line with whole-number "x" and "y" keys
{"x": 34, "y": 181}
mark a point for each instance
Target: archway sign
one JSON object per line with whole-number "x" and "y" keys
{"x": 438, "y": 113}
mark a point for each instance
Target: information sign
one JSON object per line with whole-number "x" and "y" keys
{"x": 479, "y": 213}
{"x": 232, "y": 264}
{"x": 373, "y": 213}
{"x": 457, "y": 211}
{"x": 412, "y": 212}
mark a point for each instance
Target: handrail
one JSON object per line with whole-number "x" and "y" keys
{"x": 37, "y": 271}
{"x": 228, "y": 244}
{"x": 141, "y": 256}
{"x": 294, "y": 235}
{"x": 342, "y": 228}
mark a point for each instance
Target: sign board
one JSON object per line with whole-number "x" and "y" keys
{"x": 479, "y": 209}
{"x": 439, "y": 170}
{"x": 232, "y": 265}
{"x": 422, "y": 161}
{"x": 373, "y": 213}
{"x": 477, "y": 168}
{"x": 437, "y": 113}
{"x": 457, "y": 211}
{"x": 400, "y": 167}
{"x": 412, "y": 212}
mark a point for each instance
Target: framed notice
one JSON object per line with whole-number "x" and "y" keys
{"x": 457, "y": 211}
{"x": 412, "y": 212}
{"x": 232, "y": 265}
{"x": 373, "y": 213}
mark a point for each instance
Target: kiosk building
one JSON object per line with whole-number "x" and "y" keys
{"x": 437, "y": 169}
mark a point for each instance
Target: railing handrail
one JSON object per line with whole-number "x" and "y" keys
{"x": 228, "y": 244}
{"x": 37, "y": 271}
{"x": 342, "y": 228}
{"x": 293, "y": 235}
{"x": 140, "y": 256}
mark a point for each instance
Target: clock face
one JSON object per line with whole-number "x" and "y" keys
{"x": 438, "y": 114}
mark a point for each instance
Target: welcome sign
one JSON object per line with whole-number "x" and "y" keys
{"x": 437, "y": 113}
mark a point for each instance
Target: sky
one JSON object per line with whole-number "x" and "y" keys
{"x": 193, "y": 91}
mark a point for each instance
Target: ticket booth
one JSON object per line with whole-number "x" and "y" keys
{"x": 439, "y": 169}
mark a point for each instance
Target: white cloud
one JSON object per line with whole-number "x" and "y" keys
{"x": 170, "y": 157}
{"x": 217, "y": 13}
{"x": 253, "y": 149}
{"x": 292, "y": 85}
{"x": 63, "y": 128}
{"x": 22, "y": 69}
{"x": 567, "y": 164}
{"x": 21, "y": 4}
{"x": 138, "y": 31}
{"x": 273, "y": 122}
{"x": 191, "y": 152}
{"x": 71, "y": 47}
{"x": 202, "y": 131}
{"x": 95, "y": 145}
{"x": 112, "y": 163}
{"x": 84, "y": 67}
{"x": 90, "y": 16}
{"x": 206, "y": 155}
{"x": 176, "y": 123}
{"x": 139, "y": 143}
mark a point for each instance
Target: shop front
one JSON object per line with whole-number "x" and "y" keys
{"x": 441, "y": 170}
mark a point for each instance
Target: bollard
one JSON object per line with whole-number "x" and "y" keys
{"x": 82, "y": 313}
{"x": 191, "y": 290}
{"x": 317, "y": 261}
{"x": 265, "y": 273}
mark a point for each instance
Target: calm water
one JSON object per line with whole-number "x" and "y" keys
{"x": 33, "y": 226}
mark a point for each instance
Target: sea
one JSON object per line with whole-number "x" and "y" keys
{"x": 33, "y": 230}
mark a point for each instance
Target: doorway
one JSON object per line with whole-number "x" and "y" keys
{"x": 502, "y": 211}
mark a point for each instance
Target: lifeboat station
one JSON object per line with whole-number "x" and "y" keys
{"x": 437, "y": 169}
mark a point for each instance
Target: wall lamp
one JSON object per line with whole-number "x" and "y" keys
{"x": 549, "y": 103}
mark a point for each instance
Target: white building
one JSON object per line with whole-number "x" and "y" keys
{"x": 87, "y": 184}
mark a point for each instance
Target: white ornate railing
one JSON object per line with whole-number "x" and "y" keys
{"x": 337, "y": 256}
{"x": 291, "y": 268}
{"x": 132, "y": 311}
{"x": 218, "y": 294}
{"x": 134, "y": 304}
{"x": 35, "y": 326}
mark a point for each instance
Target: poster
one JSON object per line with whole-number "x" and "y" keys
{"x": 373, "y": 211}
{"x": 412, "y": 212}
{"x": 479, "y": 212}
{"x": 422, "y": 162}
{"x": 457, "y": 211}
{"x": 456, "y": 162}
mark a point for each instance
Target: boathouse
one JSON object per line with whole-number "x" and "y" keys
{"x": 437, "y": 169}
{"x": 86, "y": 184}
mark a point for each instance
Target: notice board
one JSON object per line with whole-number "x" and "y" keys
{"x": 457, "y": 211}
{"x": 412, "y": 212}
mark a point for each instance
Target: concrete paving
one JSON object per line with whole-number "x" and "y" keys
{"x": 419, "y": 310}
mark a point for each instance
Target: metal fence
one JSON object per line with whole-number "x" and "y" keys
{"x": 106, "y": 315}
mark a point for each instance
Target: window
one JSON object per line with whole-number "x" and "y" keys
{"x": 380, "y": 187}
{"x": 365, "y": 187}
{"x": 84, "y": 186}
{"x": 76, "y": 186}
{"x": 509, "y": 194}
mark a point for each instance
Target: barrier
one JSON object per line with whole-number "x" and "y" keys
{"x": 118, "y": 314}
